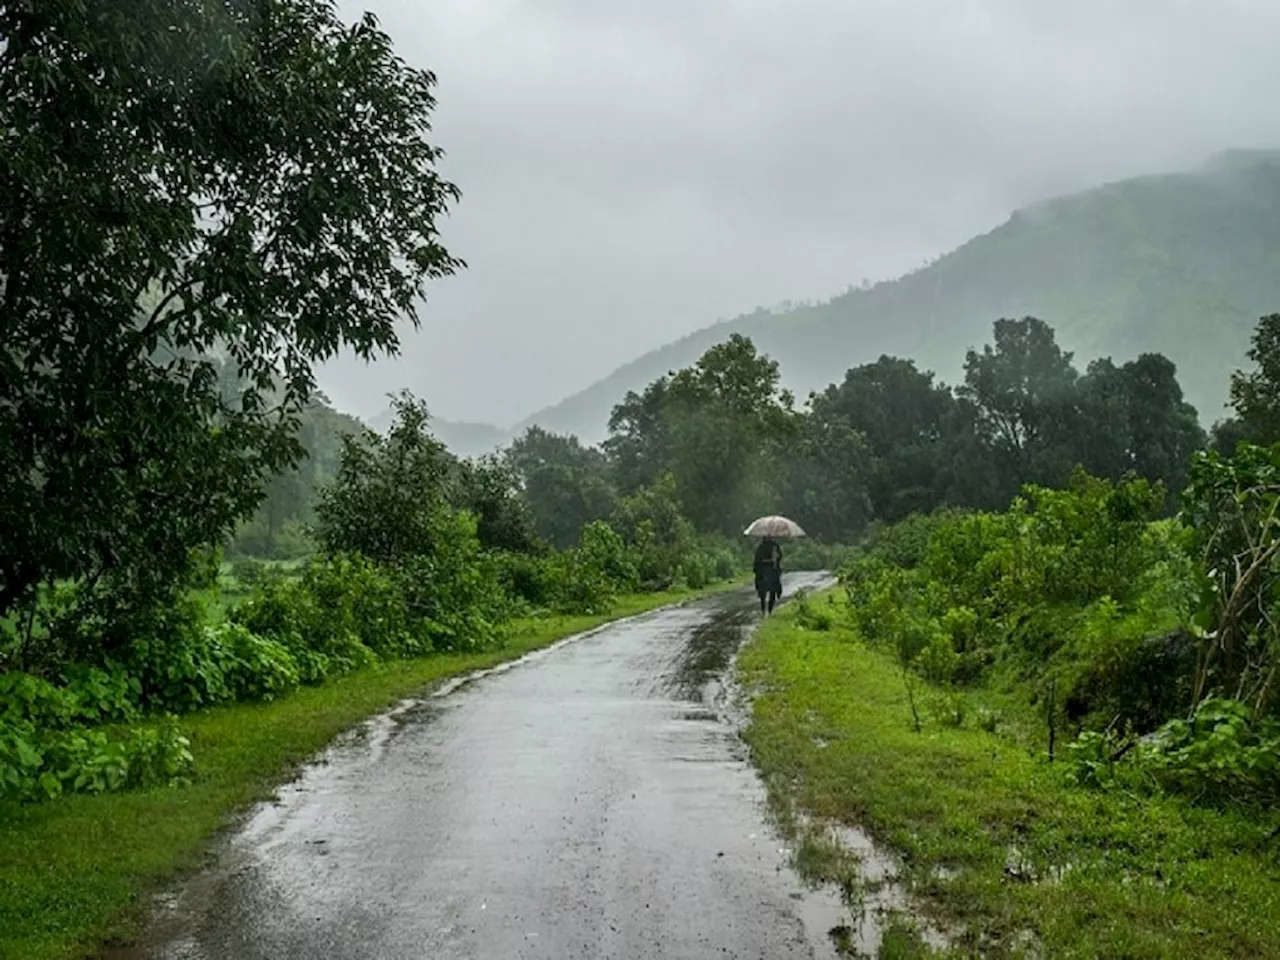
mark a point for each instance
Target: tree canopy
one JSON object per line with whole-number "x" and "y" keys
{"x": 195, "y": 194}
{"x": 713, "y": 426}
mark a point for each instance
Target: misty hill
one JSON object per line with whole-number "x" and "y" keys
{"x": 462, "y": 438}
{"x": 1183, "y": 264}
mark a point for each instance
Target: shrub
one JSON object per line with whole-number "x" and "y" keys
{"x": 29, "y": 699}
{"x": 255, "y": 668}
{"x": 937, "y": 661}
{"x": 37, "y": 765}
{"x": 697, "y": 570}
{"x": 904, "y": 543}
{"x": 602, "y": 547}
{"x": 1071, "y": 581}
{"x": 812, "y": 555}
{"x": 248, "y": 571}
{"x": 813, "y": 616}
{"x": 335, "y": 599}
{"x": 988, "y": 719}
{"x": 656, "y": 531}
{"x": 355, "y": 596}
{"x": 1224, "y": 753}
{"x": 105, "y": 694}
{"x": 180, "y": 672}
{"x": 524, "y": 577}
{"x": 578, "y": 586}
{"x": 948, "y": 708}
{"x": 454, "y": 598}
{"x": 726, "y": 562}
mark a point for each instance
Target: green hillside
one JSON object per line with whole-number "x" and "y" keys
{"x": 463, "y": 438}
{"x": 1183, "y": 264}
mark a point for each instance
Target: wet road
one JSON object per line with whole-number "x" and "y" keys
{"x": 591, "y": 801}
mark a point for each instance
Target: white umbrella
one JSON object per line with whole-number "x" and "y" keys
{"x": 780, "y": 528}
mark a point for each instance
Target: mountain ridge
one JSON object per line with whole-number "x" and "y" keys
{"x": 1176, "y": 263}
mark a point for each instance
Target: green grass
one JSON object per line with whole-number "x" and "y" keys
{"x": 74, "y": 872}
{"x": 1100, "y": 874}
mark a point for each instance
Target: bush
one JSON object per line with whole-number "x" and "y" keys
{"x": 947, "y": 708}
{"x": 248, "y": 571}
{"x": 903, "y": 544}
{"x": 937, "y": 662}
{"x": 659, "y": 536}
{"x": 988, "y": 719}
{"x": 454, "y": 598}
{"x": 602, "y": 547}
{"x": 28, "y": 699}
{"x": 42, "y": 764}
{"x": 1070, "y": 582}
{"x": 181, "y": 672}
{"x": 524, "y": 577}
{"x": 697, "y": 570}
{"x": 354, "y": 596}
{"x": 210, "y": 665}
{"x": 1223, "y": 754}
{"x": 813, "y": 616}
{"x": 317, "y": 615}
{"x": 727, "y": 564}
{"x": 345, "y": 606}
{"x": 105, "y": 694}
{"x": 579, "y": 586}
{"x": 255, "y": 668}
{"x": 811, "y": 555}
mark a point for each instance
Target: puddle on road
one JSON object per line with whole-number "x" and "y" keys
{"x": 853, "y": 891}
{"x": 699, "y": 715}
{"x": 706, "y": 657}
{"x": 843, "y": 915}
{"x": 703, "y": 672}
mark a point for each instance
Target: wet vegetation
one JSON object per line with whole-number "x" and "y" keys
{"x": 1006, "y": 853}
{"x": 1057, "y": 634}
{"x": 73, "y": 871}
{"x": 1060, "y": 717}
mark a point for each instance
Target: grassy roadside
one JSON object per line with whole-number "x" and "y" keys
{"x": 995, "y": 842}
{"x": 73, "y": 872}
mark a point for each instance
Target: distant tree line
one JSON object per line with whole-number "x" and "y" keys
{"x": 886, "y": 442}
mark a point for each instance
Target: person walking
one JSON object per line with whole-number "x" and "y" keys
{"x": 768, "y": 570}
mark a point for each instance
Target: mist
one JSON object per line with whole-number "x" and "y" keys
{"x": 634, "y": 171}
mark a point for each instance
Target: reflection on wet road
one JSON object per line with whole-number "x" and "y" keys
{"x": 590, "y": 802}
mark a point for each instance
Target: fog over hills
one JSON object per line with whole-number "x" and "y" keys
{"x": 1182, "y": 264}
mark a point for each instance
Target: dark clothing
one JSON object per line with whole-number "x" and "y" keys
{"x": 768, "y": 570}
{"x": 768, "y": 554}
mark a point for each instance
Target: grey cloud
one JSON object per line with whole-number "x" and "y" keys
{"x": 633, "y": 170}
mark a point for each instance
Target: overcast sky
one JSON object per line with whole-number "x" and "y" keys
{"x": 633, "y": 170}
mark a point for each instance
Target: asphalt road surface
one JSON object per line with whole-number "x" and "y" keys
{"x": 592, "y": 801}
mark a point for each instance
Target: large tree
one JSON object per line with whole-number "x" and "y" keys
{"x": 1023, "y": 388}
{"x": 825, "y": 477}
{"x": 1255, "y": 393}
{"x": 567, "y": 485}
{"x": 716, "y": 427}
{"x": 391, "y": 497}
{"x": 190, "y": 187}
{"x": 1133, "y": 418}
{"x": 922, "y": 446}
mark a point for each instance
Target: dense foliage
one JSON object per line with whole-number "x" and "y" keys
{"x": 890, "y": 441}
{"x": 171, "y": 267}
{"x": 416, "y": 553}
{"x": 201, "y": 200}
{"x": 1148, "y": 644}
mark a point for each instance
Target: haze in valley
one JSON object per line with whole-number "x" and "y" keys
{"x": 635, "y": 170}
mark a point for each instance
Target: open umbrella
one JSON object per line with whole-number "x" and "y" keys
{"x": 780, "y": 528}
